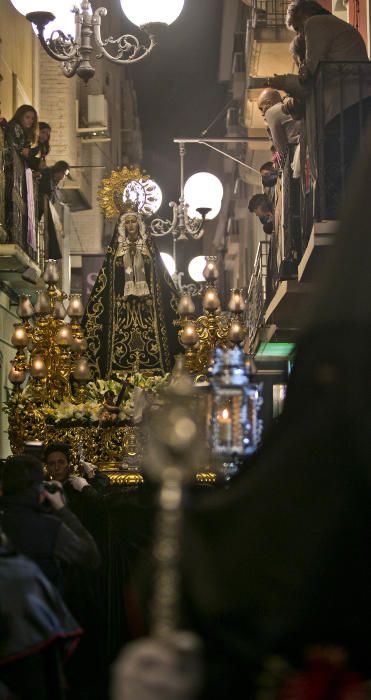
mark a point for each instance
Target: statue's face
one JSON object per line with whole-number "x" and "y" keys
{"x": 132, "y": 227}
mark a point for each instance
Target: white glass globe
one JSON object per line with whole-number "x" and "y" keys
{"x": 169, "y": 263}
{"x": 142, "y": 12}
{"x": 64, "y": 17}
{"x": 203, "y": 190}
{"x": 196, "y": 268}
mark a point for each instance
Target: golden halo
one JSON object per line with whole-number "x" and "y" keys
{"x": 110, "y": 193}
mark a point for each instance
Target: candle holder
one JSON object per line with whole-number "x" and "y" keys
{"x": 82, "y": 375}
{"x": 25, "y": 309}
{"x": 16, "y": 377}
{"x": 47, "y": 347}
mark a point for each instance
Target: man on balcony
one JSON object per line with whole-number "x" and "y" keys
{"x": 48, "y": 195}
{"x": 337, "y": 95}
{"x": 283, "y": 128}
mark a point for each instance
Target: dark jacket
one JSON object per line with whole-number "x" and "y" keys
{"x": 37, "y": 632}
{"x": 48, "y": 539}
{"x": 48, "y": 193}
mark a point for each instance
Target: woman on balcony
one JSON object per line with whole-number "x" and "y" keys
{"x": 20, "y": 134}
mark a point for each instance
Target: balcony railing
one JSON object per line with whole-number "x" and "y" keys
{"x": 18, "y": 207}
{"x": 337, "y": 109}
{"x": 258, "y": 292}
{"x": 270, "y": 13}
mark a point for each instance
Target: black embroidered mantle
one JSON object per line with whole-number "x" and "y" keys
{"x": 133, "y": 332}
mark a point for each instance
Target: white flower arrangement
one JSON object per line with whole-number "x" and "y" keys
{"x": 94, "y": 410}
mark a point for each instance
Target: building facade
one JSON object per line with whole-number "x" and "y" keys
{"x": 95, "y": 128}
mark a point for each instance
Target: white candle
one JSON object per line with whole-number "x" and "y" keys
{"x": 225, "y": 428}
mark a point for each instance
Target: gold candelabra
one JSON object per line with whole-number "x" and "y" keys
{"x": 214, "y": 328}
{"x": 49, "y": 349}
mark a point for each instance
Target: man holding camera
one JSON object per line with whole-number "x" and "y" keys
{"x": 50, "y": 538}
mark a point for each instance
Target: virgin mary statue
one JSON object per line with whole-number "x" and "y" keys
{"x": 129, "y": 316}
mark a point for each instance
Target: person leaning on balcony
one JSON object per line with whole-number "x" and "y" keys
{"x": 328, "y": 38}
{"x": 20, "y": 134}
{"x": 284, "y": 129}
{"x": 48, "y": 187}
{"x": 39, "y": 152}
{"x": 261, "y": 205}
{"x": 20, "y": 131}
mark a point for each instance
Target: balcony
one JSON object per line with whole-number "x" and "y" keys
{"x": 305, "y": 214}
{"x": 266, "y": 51}
{"x": 20, "y": 234}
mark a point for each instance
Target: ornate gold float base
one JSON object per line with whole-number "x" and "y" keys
{"x": 116, "y": 450}
{"x": 108, "y": 447}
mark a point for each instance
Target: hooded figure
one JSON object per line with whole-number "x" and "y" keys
{"x": 129, "y": 316}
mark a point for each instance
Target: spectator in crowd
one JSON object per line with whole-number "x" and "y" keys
{"x": 344, "y": 102}
{"x": 269, "y": 176}
{"x": 85, "y": 497}
{"x": 42, "y": 149}
{"x": 297, "y": 50}
{"x": 49, "y": 195}
{"x": 283, "y": 128}
{"x": 21, "y": 130}
{"x": 37, "y": 632}
{"x": 262, "y": 206}
{"x": 50, "y": 179}
{"x": 49, "y": 539}
{"x": 20, "y": 134}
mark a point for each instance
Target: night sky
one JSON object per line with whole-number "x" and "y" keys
{"x": 179, "y": 95}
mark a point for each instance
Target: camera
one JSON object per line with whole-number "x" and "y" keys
{"x": 50, "y": 487}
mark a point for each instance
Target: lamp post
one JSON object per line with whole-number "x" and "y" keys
{"x": 200, "y": 199}
{"x": 75, "y": 52}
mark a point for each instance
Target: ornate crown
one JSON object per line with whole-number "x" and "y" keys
{"x": 128, "y": 190}
{"x": 111, "y": 194}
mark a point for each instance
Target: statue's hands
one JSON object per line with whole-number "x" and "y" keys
{"x": 159, "y": 669}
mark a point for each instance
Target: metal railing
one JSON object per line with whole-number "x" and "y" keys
{"x": 337, "y": 109}
{"x": 14, "y": 224}
{"x": 270, "y": 13}
{"x": 257, "y": 292}
{"x": 286, "y": 244}
{"x": 264, "y": 14}
{"x": 338, "y": 106}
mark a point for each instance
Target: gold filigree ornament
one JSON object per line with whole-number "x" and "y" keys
{"x": 127, "y": 190}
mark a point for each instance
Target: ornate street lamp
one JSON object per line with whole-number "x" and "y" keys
{"x": 75, "y": 52}
{"x": 200, "y": 199}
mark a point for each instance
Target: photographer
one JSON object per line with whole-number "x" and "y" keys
{"x": 48, "y": 539}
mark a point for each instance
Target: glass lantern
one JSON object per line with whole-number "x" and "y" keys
{"x": 235, "y": 427}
